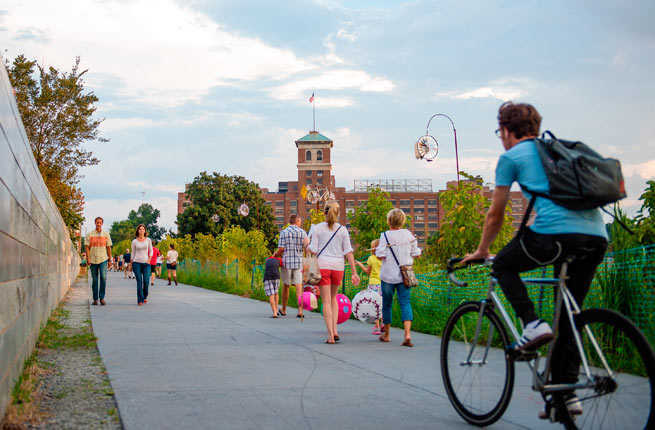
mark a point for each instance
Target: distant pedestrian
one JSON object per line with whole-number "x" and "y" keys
{"x": 331, "y": 243}
{"x": 171, "y": 263}
{"x": 272, "y": 282}
{"x": 160, "y": 260}
{"x": 141, "y": 255}
{"x": 98, "y": 250}
{"x": 293, "y": 240}
{"x": 153, "y": 265}
{"x": 372, "y": 269}
{"x": 128, "y": 264}
{"x": 397, "y": 247}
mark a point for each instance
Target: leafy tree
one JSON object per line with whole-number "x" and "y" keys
{"x": 246, "y": 246}
{"x": 58, "y": 116}
{"x": 464, "y": 209}
{"x": 646, "y": 216}
{"x": 221, "y": 195}
{"x": 147, "y": 215}
{"x": 315, "y": 217}
{"x": 370, "y": 220}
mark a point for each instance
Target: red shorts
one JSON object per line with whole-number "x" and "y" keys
{"x": 331, "y": 277}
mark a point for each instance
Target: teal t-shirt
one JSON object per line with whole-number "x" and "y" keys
{"x": 522, "y": 164}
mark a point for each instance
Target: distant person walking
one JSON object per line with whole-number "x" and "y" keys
{"x": 331, "y": 243}
{"x": 272, "y": 282}
{"x": 292, "y": 241}
{"x": 153, "y": 265}
{"x": 397, "y": 247}
{"x": 141, "y": 255}
{"x": 171, "y": 263}
{"x": 128, "y": 264}
{"x": 98, "y": 250}
{"x": 372, "y": 269}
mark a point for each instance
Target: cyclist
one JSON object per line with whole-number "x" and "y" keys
{"x": 555, "y": 234}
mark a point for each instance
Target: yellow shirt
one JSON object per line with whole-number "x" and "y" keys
{"x": 98, "y": 243}
{"x": 374, "y": 263}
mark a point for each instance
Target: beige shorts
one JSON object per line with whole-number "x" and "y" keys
{"x": 291, "y": 276}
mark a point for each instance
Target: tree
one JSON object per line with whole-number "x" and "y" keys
{"x": 370, "y": 220}
{"x": 221, "y": 195}
{"x": 58, "y": 116}
{"x": 147, "y": 215}
{"x": 646, "y": 216}
{"x": 465, "y": 208}
{"x": 315, "y": 217}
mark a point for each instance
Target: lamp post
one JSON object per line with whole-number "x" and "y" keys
{"x": 427, "y": 132}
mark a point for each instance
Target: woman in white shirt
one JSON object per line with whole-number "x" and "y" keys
{"x": 331, "y": 242}
{"x": 405, "y": 248}
{"x": 141, "y": 254}
{"x": 171, "y": 263}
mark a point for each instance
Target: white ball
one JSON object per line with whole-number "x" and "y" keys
{"x": 367, "y": 306}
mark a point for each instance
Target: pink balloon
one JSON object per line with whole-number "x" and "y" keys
{"x": 309, "y": 301}
{"x": 345, "y": 308}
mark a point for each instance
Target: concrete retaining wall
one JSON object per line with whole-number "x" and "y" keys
{"x": 38, "y": 261}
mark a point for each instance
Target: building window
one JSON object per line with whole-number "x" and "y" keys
{"x": 418, "y": 210}
{"x": 432, "y": 210}
{"x": 432, "y": 202}
{"x": 418, "y": 202}
{"x": 419, "y": 233}
{"x": 419, "y": 218}
{"x": 404, "y": 203}
{"x": 279, "y": 203}
{"x": 309, "y": 173}
{"x": 308, "y": 156}
{"x": 319, "y": 173}
{"x": 319, "y": 155}
{"x": 293, "y": 203}
{"x": 350, "y": 203}
{"x": 406, "y": 210}
{"x": 419, "y": 225}
{"x": 309, "y": 181}
{"x": 319, "y": 181}
{"x": 433, "y": 225}
{"x": 433, "y": 217}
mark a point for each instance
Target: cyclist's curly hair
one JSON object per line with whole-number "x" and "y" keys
{"x": 522, "y": 119}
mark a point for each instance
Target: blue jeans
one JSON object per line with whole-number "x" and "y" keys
{"x": 99, "y": 271}
{"x": 403, "y": 300}
{"x": 142, "y": 275}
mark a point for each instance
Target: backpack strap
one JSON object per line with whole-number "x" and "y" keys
{"x": 391, "y": 248}
{"x": 328, "y": 242}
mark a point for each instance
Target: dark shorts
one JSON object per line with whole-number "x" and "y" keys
{"x": 171, "y": 266}
{"x": 153, "y": 267}
{"x": 158, "y": 264}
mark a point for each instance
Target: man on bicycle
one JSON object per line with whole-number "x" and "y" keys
{"x": 555, "y": 234}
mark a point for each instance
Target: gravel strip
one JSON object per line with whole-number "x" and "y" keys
{"x": 76, "y": 392}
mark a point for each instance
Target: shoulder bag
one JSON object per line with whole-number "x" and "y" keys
{"x": 311, "y": 271}
{"x": 407, "y": 271}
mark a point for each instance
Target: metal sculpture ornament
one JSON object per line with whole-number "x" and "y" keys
{"x": 426, "y": 148}
{"x": 244, "y": 210}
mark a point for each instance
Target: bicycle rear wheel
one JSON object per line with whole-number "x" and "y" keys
{"x": 628, "y": 399}
{"x": 477, "y": 374}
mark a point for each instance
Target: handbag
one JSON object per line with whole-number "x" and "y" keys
{"x": 406, "y": 271}
{"x": 311, "y": 271}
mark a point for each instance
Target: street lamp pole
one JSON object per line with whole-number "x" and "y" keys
{"x": 427, "y": 132}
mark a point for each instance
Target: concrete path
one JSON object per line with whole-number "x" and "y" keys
{"x": 194, "y": 358}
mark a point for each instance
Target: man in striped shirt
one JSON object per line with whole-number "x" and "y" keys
{"x": 293, "y": 240}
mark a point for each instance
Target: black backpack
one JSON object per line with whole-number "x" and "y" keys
{"x": 578, "y": 177}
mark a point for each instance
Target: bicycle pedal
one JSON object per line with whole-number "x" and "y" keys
{"x": 520, "y": 355}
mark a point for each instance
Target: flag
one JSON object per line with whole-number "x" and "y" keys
{"x": 311, "y": 99}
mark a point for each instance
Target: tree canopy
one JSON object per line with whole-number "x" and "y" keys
{"x": 370, "y": 220}
{"x": 221, "y": 195}
{"x": 147, "y": 215}
{"x": 58, "y": 115}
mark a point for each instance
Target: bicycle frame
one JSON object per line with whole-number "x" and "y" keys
{"x": 564, "y": 299}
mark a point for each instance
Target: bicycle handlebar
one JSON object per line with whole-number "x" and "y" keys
{"x": 451, "y": 268}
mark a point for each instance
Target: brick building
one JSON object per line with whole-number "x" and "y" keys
{"x": 414, "y": 196}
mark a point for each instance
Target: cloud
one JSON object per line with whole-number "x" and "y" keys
{"x": 333, "y": 80}
{"x": 161, "y": 52}
{"x": 502, "y": 89}
{"x": 346, "y": 35}
{"x": 646, "y": 169}
{"x": 235, "y": 119}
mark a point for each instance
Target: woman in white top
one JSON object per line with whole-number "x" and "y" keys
{"x": 404, "y": 246}
{"x": 141, "y": 254}
{"x": 171, "y": 263}
{"x": 331, "y": 242}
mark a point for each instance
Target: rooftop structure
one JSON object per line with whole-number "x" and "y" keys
{"x": 394, "y": 185}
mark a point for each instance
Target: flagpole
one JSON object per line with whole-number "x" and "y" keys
{"x": 314, "y": 110}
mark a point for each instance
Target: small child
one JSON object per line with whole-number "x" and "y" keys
{"x": 272, "y": 282}
{"x": 372, "y": 268}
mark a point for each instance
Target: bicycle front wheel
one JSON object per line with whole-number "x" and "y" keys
{"x": 626, "y": 399}
{"x": 477, "y": 374}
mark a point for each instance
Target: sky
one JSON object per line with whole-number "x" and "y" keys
{"x": 191, "y": 86}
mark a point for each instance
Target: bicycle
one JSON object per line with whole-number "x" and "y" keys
{"x": 617, "y": 384}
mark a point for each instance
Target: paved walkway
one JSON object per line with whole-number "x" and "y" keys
{"x": 194, "y": 358}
